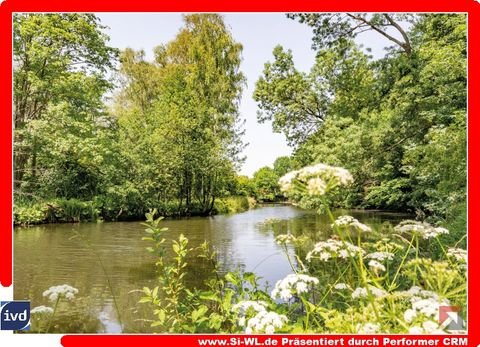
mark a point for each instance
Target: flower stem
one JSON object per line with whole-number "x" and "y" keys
{"x": 53, "y": 314}
{"x": 401, "y": 265}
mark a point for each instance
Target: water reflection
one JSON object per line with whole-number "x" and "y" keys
{"x": 109, "y": 320}
{"x": 47, "y": 255}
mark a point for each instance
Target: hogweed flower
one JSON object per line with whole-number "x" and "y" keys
{"x": 361, "y": 292}
{"x": 316, "y": 186}
{"x": 318, "y": 179}
{"x": 380, "y": 256}
{"x": 243, "y": 306}
{"x": 376, "y": 267}
{"x": 409, "y": 315}
{"x": 431, "y": 327}
{"x": 422, "y": 229}
{"x": 424, "y": 302}
{"x": 341, "y": 286}
{"x": 368, "y": 328}
{"x": 286, "y": 181}
{"x": 285, "y": 238}
{"x": 429, "y": 307}
{"x": 248, "y": 306}
{"x": 459, "y": 254}
{"x": 416, "y": 293}
{"x": 349, "y": 221}
{"x": 265, "y": 322}
{"x": 332, "y": 248}
{"x": 428, "y": 327}
{"x": 293, "y": 284}
{"x": 327, "y": 172}
{"x": 42, "y": 310}
{"x": 62, "y": 291}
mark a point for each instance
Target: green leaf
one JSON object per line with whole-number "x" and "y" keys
{"x": 155, "y": 292}
{"x": 233, "y": 278}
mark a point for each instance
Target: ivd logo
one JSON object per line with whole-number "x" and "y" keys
{"x": 15, "y": 315}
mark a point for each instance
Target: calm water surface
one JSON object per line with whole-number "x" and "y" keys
{"x": 89, "y": 256}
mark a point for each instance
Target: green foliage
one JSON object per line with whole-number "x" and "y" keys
{"x": 56, "y": 211}
{"x": 233, "y": 204}
{"x": 397, "y": 123}
{"x": 31, "y": 213}
{"x": 377, "y": 285}
{"x": 60, "y": 66}
{"x": 245, "y": 186}
{"x": 121, "y": 202}
{"x": 178, "y": 116}
{"x": 178, "y": 309}
{"x": 337, "y": 29}
{"x": 282, "y": 165}
{"x": 441, "y": 183}
{"x": 170, "y": 139}
{"x": 298, "y": 103}
{"x": 266, "y": 184}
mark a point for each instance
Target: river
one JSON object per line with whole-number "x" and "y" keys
{"x": 98, "y": 258}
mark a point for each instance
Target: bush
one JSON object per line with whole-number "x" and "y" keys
{"x": 233, "y": 204}
{"x": 121, "y": 202}
{"x": 57, "y": 211}
{"x": 33, "y": 213}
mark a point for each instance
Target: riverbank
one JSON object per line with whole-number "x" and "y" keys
{"x": 74, "y": 211}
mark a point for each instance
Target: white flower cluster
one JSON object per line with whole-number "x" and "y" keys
{"x": 376, "y": 267}
{"x": 422, "y": 229}
{"x": 423, "y": 302}
{"x": 409, "y": 315}
{"x": 459, "y": 254}
{"x": 316, "y": 186}
{"x": 341, "y": 286}
{"x": 286, "y": 181}
{"x": 317, "y": 178}
{"x": 361, "y": 292}
{"x": 293, "y": 284}
{"x": 42, "y": 310}
{"x": 326, "y": 171}
{"x": 428, "y": 327}
{"x": 380, "y": 256}
{"x": 285, "y": 238}
{"x": 265, "y": 322}
{"x": 349, "y": 221}
{"x": 429, "y": 307}
{"x": 243, "y": 306}
{"x": 368, "y": 328}
{"x": 324, "y": 250}
{"x": 416, "y": 293}
{"x": 65, "y": 291}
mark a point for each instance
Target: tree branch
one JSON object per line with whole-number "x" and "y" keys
{"x": 401, "y": 31}
{"x": 404, "y": 45}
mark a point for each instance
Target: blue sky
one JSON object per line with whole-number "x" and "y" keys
{"x": 259, "y": 33}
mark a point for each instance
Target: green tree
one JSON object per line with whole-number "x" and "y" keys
{"x": 245, "y": 186}
{"x": 179, "y": 115}
{"x": 282, "y": 165}
{"x": 266, "y": 184}
{"x": 297, "y": 103}
{"x": 60, "y": 76}
{"x": 388, "y": 121}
